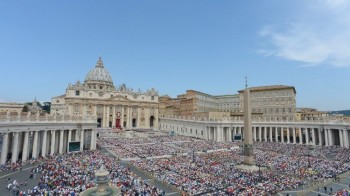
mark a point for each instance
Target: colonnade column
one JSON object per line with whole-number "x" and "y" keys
{"x": 341, "y": 137}
{"x": 307, "y": 135}
{"x": 276, "y": 134}
{"x": 300, "y": 136}
{"x": 230, "y": 134}
{"x": 265, "y": 134}
{"x": 81, "y": 140}
{"x": 259, "y": 137}
{"x": 288, "y": 135}
{"x": 35, "y": 145}
{"x": 329, "y": 136}
{"x": 69, "y": 136}
{"x": 43, "y": 150}
{"x": 346, "y": 138}
{"x": 326, "y": 137}
{"x": 25, "y": 146}
{"x": 254, "y": 133}
{"x": 294, "y": 135}
{"x": 14, "y": 147}
{"x": 4, "y": 149}
{"x": 320, "y": 142}
{"x": 313, "y": 136}
{"x": 270, "y": 130}
{"x": 60, "y": 150}
{"x": 53, "y": 139}
{"x": 282, "y": 135}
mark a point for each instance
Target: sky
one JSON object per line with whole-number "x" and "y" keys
{"x": 176, "y": 45}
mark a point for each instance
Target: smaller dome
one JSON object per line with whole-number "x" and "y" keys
{"x": 99, "y": 74}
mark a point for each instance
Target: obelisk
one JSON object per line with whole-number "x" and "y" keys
{"x": 247, "y": 134}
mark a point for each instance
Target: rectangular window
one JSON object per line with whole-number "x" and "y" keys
{"x": 77, "y": 93}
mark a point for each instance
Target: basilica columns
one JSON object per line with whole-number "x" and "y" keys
{"x": 81, "y": 140}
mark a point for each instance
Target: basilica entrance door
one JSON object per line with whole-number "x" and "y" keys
{"x": 117, "y": 123}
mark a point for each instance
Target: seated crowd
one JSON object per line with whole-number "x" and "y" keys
{"x": 216, "y": 172}
{"x": 71, "y": 174}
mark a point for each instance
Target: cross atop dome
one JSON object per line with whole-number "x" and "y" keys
{"x": 99, "y": 62}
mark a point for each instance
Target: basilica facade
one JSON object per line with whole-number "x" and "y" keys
{"x": 115, "y": 107}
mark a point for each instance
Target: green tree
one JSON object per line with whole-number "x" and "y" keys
{"x": 25, "y": 108}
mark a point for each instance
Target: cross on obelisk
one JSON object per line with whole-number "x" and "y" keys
{"x": 247, "y": 134}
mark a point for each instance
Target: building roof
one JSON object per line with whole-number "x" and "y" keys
{"x": 269, "y": 88}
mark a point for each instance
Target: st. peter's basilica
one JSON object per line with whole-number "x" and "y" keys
{"x": 119, "y": 107}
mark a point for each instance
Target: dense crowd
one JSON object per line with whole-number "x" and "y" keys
{"x": 18, "y": 165}
{"x": 195, "y": 167}
{"x": 216, "y": 172}
{"x": 159, "y": 146}
{"x": 71, "y": 174}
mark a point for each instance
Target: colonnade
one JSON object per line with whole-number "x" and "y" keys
{"x": 29, "y": 144}
{"x": 309, "y": 133}
{"x": 297, "y": 135}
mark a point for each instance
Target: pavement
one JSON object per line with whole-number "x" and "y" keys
{"x": 343, "y": 183}
{"x": 150, "y": 180}
{"x": 19, "y": 176}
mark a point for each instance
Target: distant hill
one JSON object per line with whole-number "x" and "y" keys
{"x": 345, "y": 112}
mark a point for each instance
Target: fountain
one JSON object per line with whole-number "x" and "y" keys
{"x": 102, "y": 188}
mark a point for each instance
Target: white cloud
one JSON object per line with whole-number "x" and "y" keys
{"x": 335, "y": 3}
{"x": 323, "y": 42}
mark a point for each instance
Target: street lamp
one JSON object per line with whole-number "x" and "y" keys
{"x": 259, "y": 165}
{"x": 193, "y": 158}
{"x": 310, "y": 148}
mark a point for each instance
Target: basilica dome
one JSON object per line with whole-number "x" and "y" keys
{"x": 99, "y": 74}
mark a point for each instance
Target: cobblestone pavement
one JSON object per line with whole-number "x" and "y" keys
{"x": 320, "y": 190}
{"x": 20, "y": 176}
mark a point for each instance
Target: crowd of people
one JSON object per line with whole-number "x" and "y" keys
{"x": 71, "y": 174}
{"x": 194, "y": 167}
{"x": 8, "y": 166}
{"x": 216, "y": 172}
{"x": 159, "y": 146}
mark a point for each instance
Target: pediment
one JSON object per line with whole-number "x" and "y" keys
{"x": 119, "y": 98}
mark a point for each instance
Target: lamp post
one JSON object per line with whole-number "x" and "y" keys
{"x": 310, "y": 148}
{"x": 193, "y": 158}
{"x": 259, "y": 178}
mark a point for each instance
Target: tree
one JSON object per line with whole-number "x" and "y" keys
{"x": 25, "y": 108}
{"x": 47, "y": 107}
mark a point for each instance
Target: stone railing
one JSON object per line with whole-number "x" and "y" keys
{"x": 37, "y": 117}
{"x": 261, "y": 120}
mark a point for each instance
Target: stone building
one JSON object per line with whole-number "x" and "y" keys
{"x": 310, "y": 114}
{"x": 119, "y": 107}
{"x": 11, "y": 107}
{"x": 276, "y": 101}
{"x": 271, "y": 102}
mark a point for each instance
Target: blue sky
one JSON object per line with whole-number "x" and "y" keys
{"x": 209, "y": 46}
